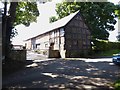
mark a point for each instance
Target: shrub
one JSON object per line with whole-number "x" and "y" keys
{"x": 38, "y": 51}
{"x": 117, "y": 85}
{"x": 105, "y": 45}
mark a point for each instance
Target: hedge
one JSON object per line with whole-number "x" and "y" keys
{"x": 100, "y": 46}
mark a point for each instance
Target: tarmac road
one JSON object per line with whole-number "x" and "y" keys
{"x": 72, "y": 73}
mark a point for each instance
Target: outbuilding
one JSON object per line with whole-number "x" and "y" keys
{"x": 70, "y": 36}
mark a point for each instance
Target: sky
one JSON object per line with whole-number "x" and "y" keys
{"x": 46, "y": 10}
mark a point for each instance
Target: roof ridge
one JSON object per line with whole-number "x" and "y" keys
{"x": 66, "y": 16}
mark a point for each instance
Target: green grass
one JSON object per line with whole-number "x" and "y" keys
{"x": 117, "y": 85}
{"x": 109, "y": 52}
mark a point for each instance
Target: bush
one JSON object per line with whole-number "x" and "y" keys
{"x": 117, "y": 85}
{"x": 38, "y": 51}
{"x": 105, "y": 47}
{"x": 45, "y": 52}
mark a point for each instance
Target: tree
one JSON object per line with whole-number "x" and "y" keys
{"x": 19, "y": 13}
{"x": 100, "y": 16}
{"x": 52, "y": 19}
{"x": 26, "y": 13}
{"x": 118, "y": 14}
{"x": 118, "y": 37}
{"x": 118, "y": 10}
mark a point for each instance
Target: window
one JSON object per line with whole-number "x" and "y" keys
{"x": 56, "y": 33}
{"x": 51, "y": 34}
{"x": 38, "y": 46}
{"x": 51, "y": 40}
{"x": 56, "y": 40}
{"x": 62, "y": 32}
{"x": 46, "y": 45}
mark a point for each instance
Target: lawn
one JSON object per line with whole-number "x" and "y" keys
{"x": 117, "y": 85}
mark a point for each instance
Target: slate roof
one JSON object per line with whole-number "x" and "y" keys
{"x": 57, "y": 24}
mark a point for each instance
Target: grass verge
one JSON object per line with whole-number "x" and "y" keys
{"x": 109, "y": 52}
{"x": 117, "y": 85}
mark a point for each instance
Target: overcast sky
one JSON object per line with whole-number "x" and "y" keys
{"x": 46, "y": 10}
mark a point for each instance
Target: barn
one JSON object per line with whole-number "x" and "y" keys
{"x": 70, "y": 36}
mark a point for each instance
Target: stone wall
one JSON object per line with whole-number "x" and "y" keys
{"x": 18, "y": 55}
{"x": 54, "y": 54}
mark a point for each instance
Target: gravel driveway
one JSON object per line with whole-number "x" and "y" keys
{"x": 81, "y": 74}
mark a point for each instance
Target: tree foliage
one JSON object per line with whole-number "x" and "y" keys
{"x": 118, "y": 10}
{"x": 100, "y": 16}
{"x": 118, "y": 37}
{"x": 19, "y": 13}
{"x": 53, "y": 19}
{"x": 26, "y": 13}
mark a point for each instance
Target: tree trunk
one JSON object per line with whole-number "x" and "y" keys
{"x": 9, "y": 26}
{"x": 4, "y": 21}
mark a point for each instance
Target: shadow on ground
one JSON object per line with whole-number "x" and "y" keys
{"x": 64, "y": 74}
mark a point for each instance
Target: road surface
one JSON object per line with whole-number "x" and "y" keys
{"x": 71, "y": 73}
